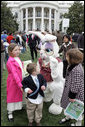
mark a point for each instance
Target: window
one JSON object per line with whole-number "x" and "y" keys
{"x": 38, "y": 14}
{"x": 52, "y": 14}
{"x": 38, "y": 25}
{"x": 30, "y": 14}
{"x": 52, "y": 27}
{"x": 24, "y": 13}
{"x": 24, "y": 23}
{"x": 46, "y": 14}
{"x": 46, "y": 26}
{"x": 31, "y": 26}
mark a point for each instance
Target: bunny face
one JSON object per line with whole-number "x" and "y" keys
{"x": 49, "y": 49}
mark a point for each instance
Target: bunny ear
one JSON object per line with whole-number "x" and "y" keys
{"x": 44, "y": 37}
{"x": 49, "y": 38}
{"x": 39, "y": 34}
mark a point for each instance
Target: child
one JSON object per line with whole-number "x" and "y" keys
{"x": 34, "y": 85}
{"x": 64, "y": 48}
{"x": 74, "y": 84}
{"x": 14, "y": 86}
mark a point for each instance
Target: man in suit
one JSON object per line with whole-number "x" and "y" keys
{"x": 32, "y": 42}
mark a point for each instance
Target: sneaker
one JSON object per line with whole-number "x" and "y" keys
{"x": 72, "y": 124}
{"x": 64, "y": 120}
{"x": 10, "y": 117}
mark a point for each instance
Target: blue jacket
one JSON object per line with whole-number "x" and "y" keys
{"x": 4, "y": 37}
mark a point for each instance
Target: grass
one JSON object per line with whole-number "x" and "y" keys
{"x": 20, "y": 117}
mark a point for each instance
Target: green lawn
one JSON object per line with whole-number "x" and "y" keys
{"x": 20, "y": 117}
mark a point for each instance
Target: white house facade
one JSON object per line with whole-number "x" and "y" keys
{"x": 39, "y": 15}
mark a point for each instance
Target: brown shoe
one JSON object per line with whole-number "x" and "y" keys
{"x": 38, "y": 124}
{"x": 30, "y": 124}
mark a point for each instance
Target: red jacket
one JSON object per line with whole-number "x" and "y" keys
{"x": 45, "y": 71}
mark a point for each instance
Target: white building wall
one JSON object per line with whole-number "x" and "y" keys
{"x": 59, "y": 7}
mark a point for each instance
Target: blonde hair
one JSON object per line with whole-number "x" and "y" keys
{"x": 75, "y": 56}
{"x": 11, "y": 47}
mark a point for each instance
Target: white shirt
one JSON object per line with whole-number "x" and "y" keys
{"x": 33, "y": 36}
{"x": 39, "y": 99}
{"x": 20, "y": 64}
{"x": 20, "y": 39}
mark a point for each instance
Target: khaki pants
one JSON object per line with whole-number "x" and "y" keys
{"x": 24, "y": 98}
{"x": 34, "y": 111}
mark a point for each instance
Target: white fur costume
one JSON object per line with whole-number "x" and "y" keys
{"x": 55, "y": 88}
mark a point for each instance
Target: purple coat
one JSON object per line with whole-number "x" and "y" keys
{"x": 74, "y": 85}
{"x": 14, "y": 93}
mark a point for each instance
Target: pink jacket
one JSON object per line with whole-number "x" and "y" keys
{"x": 14, "y": 93}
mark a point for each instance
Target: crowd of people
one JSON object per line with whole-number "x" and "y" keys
{"x": 35, "y": 84}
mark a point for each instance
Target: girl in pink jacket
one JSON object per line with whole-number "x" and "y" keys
{"x": 15, "y": 75}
